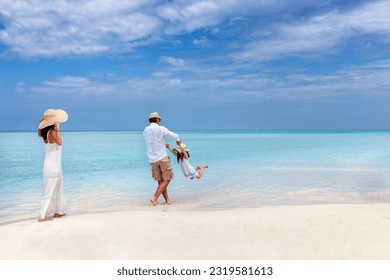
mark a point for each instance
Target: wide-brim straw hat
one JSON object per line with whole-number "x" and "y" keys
{"x": 182, "y": 146}
{"x": 52, "y": 116}
{"x": 154, "y": 115}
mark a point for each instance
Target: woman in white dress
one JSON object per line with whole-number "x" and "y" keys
{"x": 182, "y": 154}
{"x": 52, "y": 196}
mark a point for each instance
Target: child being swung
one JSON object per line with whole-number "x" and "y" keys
{"x": 182, "y": 155}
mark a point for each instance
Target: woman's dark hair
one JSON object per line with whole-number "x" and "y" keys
{"x": 180, "y": 155}
{"x": 45, "y": 130}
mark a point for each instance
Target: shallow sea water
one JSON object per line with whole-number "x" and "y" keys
{"x": 246, "y": 169}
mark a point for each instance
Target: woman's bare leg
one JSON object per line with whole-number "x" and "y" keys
{"x": 56, "y": 215}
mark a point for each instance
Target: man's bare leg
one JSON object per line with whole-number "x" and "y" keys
{"x": 165, "y": 194}
{"x": 162, "y": 186}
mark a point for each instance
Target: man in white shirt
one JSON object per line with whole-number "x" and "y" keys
{"x": 162, "y": 170}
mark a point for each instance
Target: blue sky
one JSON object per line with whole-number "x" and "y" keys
{"x": 222, "y": 64}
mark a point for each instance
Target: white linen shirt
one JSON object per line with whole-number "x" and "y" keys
{"x": 155, "y": 143}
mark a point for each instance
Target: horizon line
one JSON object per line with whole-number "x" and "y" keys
{"x": 210, "y": 130}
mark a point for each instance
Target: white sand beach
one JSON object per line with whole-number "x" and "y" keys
{"x": 303, "y": 232}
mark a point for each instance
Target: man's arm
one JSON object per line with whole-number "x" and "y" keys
{"x": 172, "y": 135}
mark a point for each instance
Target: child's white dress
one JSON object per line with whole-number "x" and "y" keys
{"x": 188, "y": 171}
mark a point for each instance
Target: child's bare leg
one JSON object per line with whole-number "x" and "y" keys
{"x": 201, "y": 169}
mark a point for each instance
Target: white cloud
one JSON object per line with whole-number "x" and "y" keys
{"x": 176, "y": 62}
{"x": 319, "y": 33}
{"x": 194, "y": 15}
{"x": 37, "y": 29}
{"x": 202, "y": 42}
{"x": 160, "y": 75}
{"x": 20, "y": 87}
{"x": 174, "y": 81}
{"x": 71, "y": 85}
{"x": 68, "y": 82}
{"x": 217, "y": 85}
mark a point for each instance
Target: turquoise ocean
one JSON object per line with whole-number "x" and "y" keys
{"x": 246, "y": 169}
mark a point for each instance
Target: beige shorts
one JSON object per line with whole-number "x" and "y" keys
{"x": 162, "y": 170}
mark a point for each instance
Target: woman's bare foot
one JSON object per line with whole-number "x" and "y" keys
{"x": 168, "y": 201}
{"x": 44, "y": 219}
{"x": 56, "y": 215}
{"x": 152, "y": 200}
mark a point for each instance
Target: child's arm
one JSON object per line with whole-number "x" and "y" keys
{"x": 168, "y": 147}
{"x": 184, "y": 152}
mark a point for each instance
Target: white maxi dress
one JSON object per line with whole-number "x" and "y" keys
{"x": 52, "y": 196}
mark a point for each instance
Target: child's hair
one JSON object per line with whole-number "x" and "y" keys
{"x": 179, "y": 155}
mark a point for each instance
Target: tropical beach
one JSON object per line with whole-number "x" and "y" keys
{"x": 323, "y": 196}
{"x": 274, "y": 114}
{"x": 302, "y": 232}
